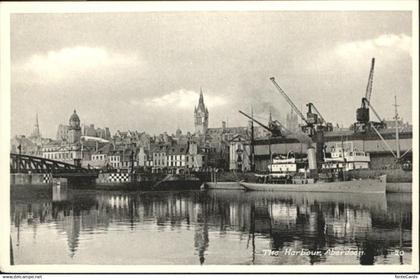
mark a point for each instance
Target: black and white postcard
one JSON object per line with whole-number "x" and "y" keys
{"x": 209, "y": 136}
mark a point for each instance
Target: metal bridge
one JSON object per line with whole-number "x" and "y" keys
{"x": 31, "y": 164}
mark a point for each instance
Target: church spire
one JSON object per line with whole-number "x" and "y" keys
{"x": 201, "y": 101}
{"x": 201, "y": 106}
{"x": 35, "y": 132}
{"x": 201, "y": 115}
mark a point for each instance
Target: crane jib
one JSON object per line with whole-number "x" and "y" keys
{"x": 370, "y": 81}
{"x": 298, "y": 112}
{"x": 259, "y": 123}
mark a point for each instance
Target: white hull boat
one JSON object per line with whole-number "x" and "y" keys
{"x": 377, "y": 185}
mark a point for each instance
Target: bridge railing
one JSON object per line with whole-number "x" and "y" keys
{"x": 31, "y": 164}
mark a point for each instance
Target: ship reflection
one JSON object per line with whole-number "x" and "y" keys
{"x": 374, "y": 224}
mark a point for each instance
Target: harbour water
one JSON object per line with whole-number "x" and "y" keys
{"x": 68, "y": 226}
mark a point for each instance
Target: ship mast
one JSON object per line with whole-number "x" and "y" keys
{"x": 397, "y": 132}
{"x": 252, "y": 141}
{"x": 269, "y": 139}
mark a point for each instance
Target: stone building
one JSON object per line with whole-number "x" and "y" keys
{"x": 62, "y": 132}
{"x": 239, "y": 154}
{"x": 70, "y": 133}
{"x": 67, "y": 148}
{"x": 66, "y": 154}
{"x": 214, "y": 143}
{"x": 75, "y": 130}
{"x": 27, "y": 146}
{"x": 91, "y": 131}
{"x": 129, "y": 139}
{"x": 31, "y": 145}
{"x": 292, "y": 122}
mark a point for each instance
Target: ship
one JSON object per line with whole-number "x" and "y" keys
{"x": 377, "y": 185}
{"x": 287, "y": 173}
{"x": 347, "y": 168}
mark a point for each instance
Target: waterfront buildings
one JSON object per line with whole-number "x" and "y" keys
{"x": 67, "y": 147}
{"x": 222, "y": 147}
{"x": 219, "y": 144}
{"x": 91, "y": 131}
{"x": 31, "y": 145}
{"x": 26, "y": 146}
{"x": 240, "y": 154}
{"x": 71, "y": 133}
{"x": 62, "y": 132}
{"x": 92, "y": 147}
{"x": 66, "y": 154}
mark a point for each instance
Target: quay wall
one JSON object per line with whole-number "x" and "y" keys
{"x": 31, "y": 179}
{"x": 113, "y": 178}
{"x": 393, "y": 175}
{"x": 399, "y": 187}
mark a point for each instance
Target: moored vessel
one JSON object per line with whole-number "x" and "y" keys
{"x": 376, "y": 185}
{"x": 286, "y": 173}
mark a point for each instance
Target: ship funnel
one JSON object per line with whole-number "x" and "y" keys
{"x": 311, "y": 158}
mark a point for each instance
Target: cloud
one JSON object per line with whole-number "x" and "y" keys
{"x": 73, "y": 63}
{"x": 181, "y": 99}
{"x": 337, "y": 76}
{"x": 382, "y": 43}
{"x": 350, "y": 59}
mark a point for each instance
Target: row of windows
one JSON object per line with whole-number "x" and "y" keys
{"x": 159, "y": 154}
{"x": 63, "y": 155}
{"x": 49, "y": 149}
{"x": 176, "y": 157}
{"x": 176, "y": 164}
{"x": 123, "y": 164}
{"x": 98, "y": 157}
{"x": 159, "y": 162}
{"x": 173, "y": 158}
{"x": 114, "y": 158}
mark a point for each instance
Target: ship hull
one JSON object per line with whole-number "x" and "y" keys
{"x": 223, "y": 185}
{"x": 171, "y": 185}
{"x": 354, "y": 186}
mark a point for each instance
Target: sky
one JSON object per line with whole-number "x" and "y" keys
{"x": 143, "y": 71}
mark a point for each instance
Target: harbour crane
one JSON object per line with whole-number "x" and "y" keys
{"x": 288, "y": 100}
{"x": 362, "y": 114}
{"x": 275, "y": 127}
{"x": 313, "y": 128}
{"x": 314, "y": 122}
{"x": 316, "y": 118}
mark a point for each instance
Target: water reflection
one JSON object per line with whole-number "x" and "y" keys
{"x": 214, "y": 227}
